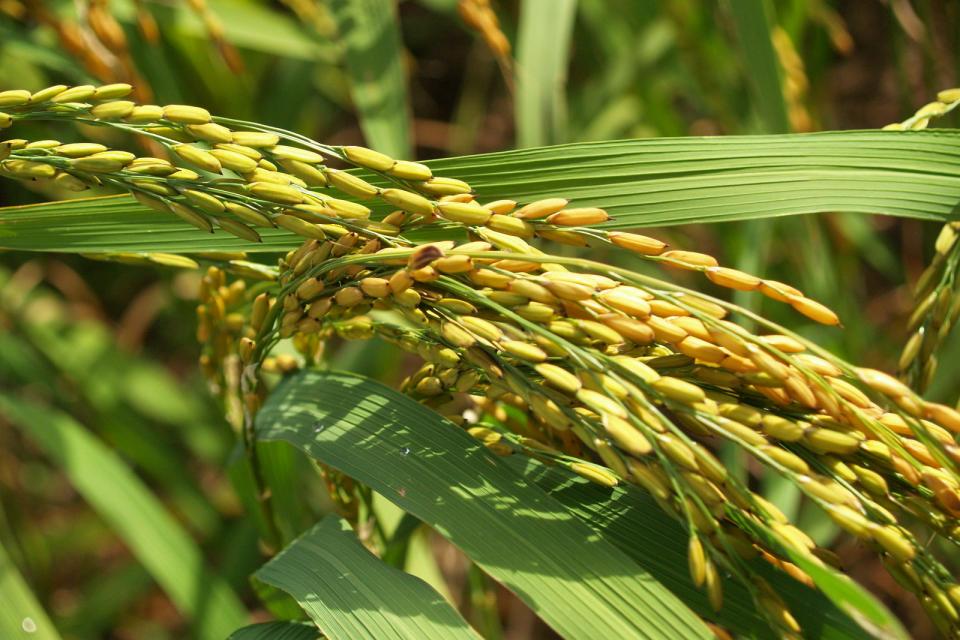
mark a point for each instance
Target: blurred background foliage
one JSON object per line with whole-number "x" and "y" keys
{"x": 113, "y": 348}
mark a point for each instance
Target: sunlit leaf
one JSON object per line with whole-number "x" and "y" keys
{"x": 351, "y": 594}
{"x": 581, "y": 585}
{"x": 21, "y": 616}
{"x": 642, "y": 183}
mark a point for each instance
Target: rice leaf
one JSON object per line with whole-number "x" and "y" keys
{"x": 373, "y": 55}
{"x": 752, "y": 19}
{"x": 21, "y": 615}
{"x": 351, "y": 594}
{"x": 543, "y": 51}
{"x": 632, "y": 520}
{"x": 642, "y": 183}
{"x": 277, "y": 631}
{"x": 578, "y": 583}
{"x": 151, "y": 533}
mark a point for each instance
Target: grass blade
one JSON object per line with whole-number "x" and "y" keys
{"x": 543, "y": 51}
{"x": 153, "y": 536}
{"x": 21, "y": 615}
{"x": 373, "y": 54}
{"x": 277, "y": 631}
{"x": 350, "y": 593}
{"x": 664, "y": 181}
{"x": 581, "y": 585}
{"x": 642, "y": 183}
{"x": 632, "y": 520}
{"x": 752, "y": 19}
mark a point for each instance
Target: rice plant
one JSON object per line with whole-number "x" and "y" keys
{"x": 580, "y": 400}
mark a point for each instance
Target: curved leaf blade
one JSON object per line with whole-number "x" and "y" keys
{"x": 543, "y": 51}
{"x": 154, "y": 537}
{"x": 642, "y": 183}
{"x": 21, "y": 615}
{"x": 277, "y": 631}
{"x": 577, "y": 582}
{"x": 351, "y": 594}
{"x": 693, "y": 180}
{"x": 632, "y": 521}
{"x": 373, "y": 55}
{"x": 752, "y": 20}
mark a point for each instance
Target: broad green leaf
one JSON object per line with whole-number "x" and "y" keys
{"x": 632, "y": 520}
{"x": 21, "y": 616}
{"x": 154, "y": 537}
{"x": 580, "y": 584}
{"x": 277, "y": 631}
{"x": 373, "y": 55}
{"x": 665, "y": 181}
{"x": 351, "y": 594}
{"x": 752, "y": 19}
{"x": 642, "y": 183}
{"x": 543, "y": 51}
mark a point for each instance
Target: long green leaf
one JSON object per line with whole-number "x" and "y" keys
{"x": 352, "y": 595}
{"x": 543, "y": 51}
{"x": 154, "y": 537}
{"x": 62, "y": 359}
{"x": 373, "y": 54}
{"x": 581, "y": 585}
{"x": 21, "y": 616}
{"x": 642, "y": 183}
{"x": 632, "y": 520}
{"x": 760, "y": 62}
{"x": 277, "y": 631}
{"x": 685, "y": 180}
